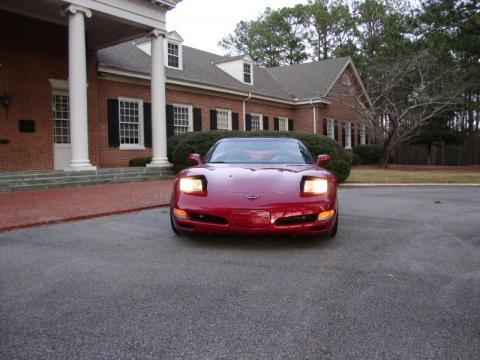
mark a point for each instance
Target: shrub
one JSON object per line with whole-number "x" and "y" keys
{"x": 201, "y": 142}
{"x": 355, "y": 159}
{"x": 172, "y": 142}
{"x": 368, "y": 154}
{"x": 139, "y": 161}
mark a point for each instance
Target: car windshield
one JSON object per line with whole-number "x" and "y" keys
{"x": 259, "y": 151}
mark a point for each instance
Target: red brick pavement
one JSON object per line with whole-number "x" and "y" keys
{"x": 38, "y": 207}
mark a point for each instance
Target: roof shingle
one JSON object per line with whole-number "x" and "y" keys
{"x": 286, "y": 82}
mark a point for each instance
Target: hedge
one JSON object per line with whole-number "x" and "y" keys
{"x": 139, "y": 161}
{"x": 368, "y": 154}
{"x": 200, "y": 142}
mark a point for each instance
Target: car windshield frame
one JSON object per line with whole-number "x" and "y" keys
{"x": 306, "y": 157}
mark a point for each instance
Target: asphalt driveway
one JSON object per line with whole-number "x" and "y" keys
{"x": 400, "y": 281}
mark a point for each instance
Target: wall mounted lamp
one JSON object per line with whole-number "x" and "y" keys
{"x": 5, "y": 99}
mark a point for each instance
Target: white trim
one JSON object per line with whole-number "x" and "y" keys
{"x": 260, "y": 117}
{"x": 141, "y": 140}
{"x": 58, "y": 84}
{"x": 348, "y": 134}
{"x": 363, "y": 133}
{"x": 190, "y": 115}
{"x": 229, "y": 118}
{"x": 120, "y": 72}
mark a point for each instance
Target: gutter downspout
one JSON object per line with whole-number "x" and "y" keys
{"x": 314, "y": 116}
{"x": 244, "y": 115}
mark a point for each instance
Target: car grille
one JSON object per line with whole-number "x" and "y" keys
{"x": 295, "y": 220}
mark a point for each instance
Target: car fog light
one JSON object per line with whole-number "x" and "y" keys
{"x": 326, "y": 214}
{"x": 181, "y": 214}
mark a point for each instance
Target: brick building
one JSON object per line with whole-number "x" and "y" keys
{"x": 39, "y": 129}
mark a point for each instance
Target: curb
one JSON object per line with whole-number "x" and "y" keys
{"x": 407, "y": 184}
{"x": 79, "y": 217}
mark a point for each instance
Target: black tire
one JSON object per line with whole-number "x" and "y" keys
{"x": 333, "y": 233}
{"x": 174, "y": 229}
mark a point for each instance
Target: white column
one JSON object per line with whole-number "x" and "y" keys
{"x": 77, "y": 83}
{"x": 159, "y": 120}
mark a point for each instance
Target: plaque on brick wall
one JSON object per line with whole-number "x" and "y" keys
{"x": 27, "y": 126}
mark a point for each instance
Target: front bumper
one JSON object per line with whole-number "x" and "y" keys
{"x": 298, "y": 219}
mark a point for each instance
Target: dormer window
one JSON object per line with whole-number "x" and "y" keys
{"x": 247, "y": 73}
{"x": 173, "y": 55}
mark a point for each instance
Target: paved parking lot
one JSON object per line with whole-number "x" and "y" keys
{"x": 400, "y": 281}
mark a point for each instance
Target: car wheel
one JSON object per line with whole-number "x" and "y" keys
{"x": 334, "y": 229}
{"x": 173, "y": 224}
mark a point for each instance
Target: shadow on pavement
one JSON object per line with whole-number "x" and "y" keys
{"x": 254, "y": 242}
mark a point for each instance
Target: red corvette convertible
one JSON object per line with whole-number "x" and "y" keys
{"x": 255, "y": 186}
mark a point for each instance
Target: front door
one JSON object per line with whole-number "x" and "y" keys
{"x": 61, "y": 130}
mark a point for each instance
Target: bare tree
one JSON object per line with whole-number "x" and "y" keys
{"x": 405, "y": 94}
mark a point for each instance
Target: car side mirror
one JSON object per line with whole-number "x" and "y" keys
{"x": 195, "y": 158}
{"x": 322, "y": 159}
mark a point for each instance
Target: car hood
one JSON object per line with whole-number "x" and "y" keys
{"x": 255, "y": 178}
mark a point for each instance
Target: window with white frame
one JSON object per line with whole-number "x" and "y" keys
{"x": 257, "y": 122}
{"x": 130, "y": 123}
{"x": 282, "y": 124}
{"x": 331, "y": 128}
{"x": 362, "y": 134}
{"x": 61, "y": 117}
{"x": 345, "y": 79}
{"x": 247, "y": 73}
{"x": 173, "y": 55}
{"x": 182, "y": 119}
{"x": 348, "y": 135}
{"x": 224, "y": 119}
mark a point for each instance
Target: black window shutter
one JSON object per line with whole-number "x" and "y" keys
{"x": 265, "y": 122}
{"x": 275, "y": 123}
{"x": 213, "y": 119}
{"x": 366, "y": 136}
{"x": 325, "y": 131}
{"x": 147, "y": 124}
{"x": 248, "y": 122}
{"x": 290, "y": 124}
{"x": 352, "y": 135}
{"x": 335, "y": 129}
{"x": 358, "y": 134}
{"x": 113, "y": 123}
{"x": 342, "y": 127}
{"x": 235, "y": 121}
{"x": 170, "y": 127}
{"x": 197, "y": 119}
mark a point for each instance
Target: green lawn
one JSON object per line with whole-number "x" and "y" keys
{"x": 402, "y": 176}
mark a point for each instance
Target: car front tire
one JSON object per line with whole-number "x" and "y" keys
{"x": 172, "y": 223}
{"x": 333, "y": 233}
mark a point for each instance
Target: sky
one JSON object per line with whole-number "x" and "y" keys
{"x": 203, "y": 23}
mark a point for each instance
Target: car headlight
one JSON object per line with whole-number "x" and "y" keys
{"x": 314, "y": 186}
{"x": 193, "y": 184}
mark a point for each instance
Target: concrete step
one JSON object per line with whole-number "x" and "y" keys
{"x": 55, "y": 179}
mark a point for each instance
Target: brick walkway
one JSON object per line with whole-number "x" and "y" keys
{"x": 30, "y": 208}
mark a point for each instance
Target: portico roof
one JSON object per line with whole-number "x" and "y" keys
{"x": 113, "y": 21}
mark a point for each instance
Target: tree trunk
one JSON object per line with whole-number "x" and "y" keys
{"x": 386, "y": 152}
{"x": 429, "y": 154}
